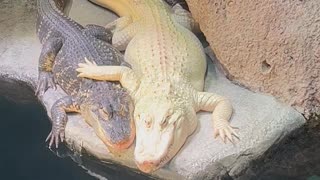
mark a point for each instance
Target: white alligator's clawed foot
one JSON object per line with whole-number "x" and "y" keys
{"x": 87, "y": 69}
{"x": 223, "y": 129}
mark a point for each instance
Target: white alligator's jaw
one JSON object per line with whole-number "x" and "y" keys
{"x": 152, "y": 146}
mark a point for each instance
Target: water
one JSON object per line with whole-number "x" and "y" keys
{"x": 24, "y": 153}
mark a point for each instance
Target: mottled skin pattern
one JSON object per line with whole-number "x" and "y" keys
{"x": 166, "y": 82}
{"x": 105, "y": 106}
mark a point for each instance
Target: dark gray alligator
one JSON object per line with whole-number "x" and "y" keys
{"x": 105, "y": 106}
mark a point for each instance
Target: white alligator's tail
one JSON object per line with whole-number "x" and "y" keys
{"x": 120, "y": 7}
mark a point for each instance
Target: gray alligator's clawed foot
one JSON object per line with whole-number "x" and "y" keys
{"x": 56, "y": 136}
{"x": 45, "y": 81}
{"x": 59, "y": 120}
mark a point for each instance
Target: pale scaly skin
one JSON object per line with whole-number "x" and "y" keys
{"x": 130, "y": 19}
{"x": 166, "y": 79}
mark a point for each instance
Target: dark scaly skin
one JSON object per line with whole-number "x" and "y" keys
{"x": 105, "y": 106}
{"x": 183, "y": 3}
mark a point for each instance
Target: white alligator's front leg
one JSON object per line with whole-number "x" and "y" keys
{"x": 123, "y": 74}
{"x": 222, "y": 111}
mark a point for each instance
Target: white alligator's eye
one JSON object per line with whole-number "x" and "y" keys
{"x": 165, "y": 120}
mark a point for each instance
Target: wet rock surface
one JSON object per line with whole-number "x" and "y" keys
{"x": 261, "y": 120}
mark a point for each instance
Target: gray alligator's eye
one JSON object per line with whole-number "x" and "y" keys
{"x": 105, "y": 114}
{"x": 124, "y": 110}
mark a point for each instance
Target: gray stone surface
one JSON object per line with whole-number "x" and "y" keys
{"x": 261, "y": 120}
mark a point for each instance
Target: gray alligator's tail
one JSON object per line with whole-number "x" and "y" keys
{"x": 52, "y": 19}
{"x": 64, "y": 5}
{"x": 46, "y": 7}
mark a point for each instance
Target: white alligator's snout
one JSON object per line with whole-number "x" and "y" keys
{"x": 152, "y": 146}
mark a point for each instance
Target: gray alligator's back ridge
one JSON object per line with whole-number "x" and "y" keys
{"x": 77, "y": 45}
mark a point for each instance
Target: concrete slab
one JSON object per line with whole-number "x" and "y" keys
{"x": 262, "y": 121}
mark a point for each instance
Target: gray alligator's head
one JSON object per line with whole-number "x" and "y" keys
{"x": 109, "y": 111}
{"x": 162, "y": 126}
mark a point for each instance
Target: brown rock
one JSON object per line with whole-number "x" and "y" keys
{"x": 269, "y": 46}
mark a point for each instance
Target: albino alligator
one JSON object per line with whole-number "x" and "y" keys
{"x": 107, "y": 108}
{"x": 166, "y": 79}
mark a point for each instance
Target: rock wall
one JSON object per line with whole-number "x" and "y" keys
{"x": 270, "y": 46}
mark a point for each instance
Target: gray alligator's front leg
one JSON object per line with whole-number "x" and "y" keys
{"x": 99, "y": 32}
{"x": 59, "y": 119}
{"x": 48, "y": 54}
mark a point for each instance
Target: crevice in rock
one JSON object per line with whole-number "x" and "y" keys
{"x": 265, "y": 67}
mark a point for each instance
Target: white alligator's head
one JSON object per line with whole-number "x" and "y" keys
{"x": 162, "y": 127}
